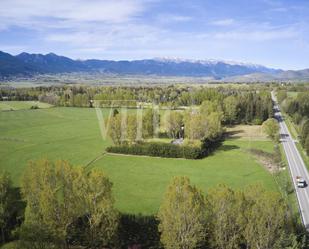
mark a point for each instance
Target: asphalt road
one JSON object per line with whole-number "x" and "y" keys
{"x": 296, "y": 166}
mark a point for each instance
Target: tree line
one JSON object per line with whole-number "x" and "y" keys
{"x": 197, "y": 125}
{"x": 225, "y": 218}
{"x": 298, "y": 109}
{"x": 238, "y": 104}
{"x": 192, "y": 124}
{"x": 238, "y": 108}
{"x": 201, "y": 129}
{"x": 62, "y": 201}
{"x": 72, "y": 207}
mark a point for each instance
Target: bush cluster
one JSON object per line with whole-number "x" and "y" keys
{"x": 158, "y": 149}
{"x": 34, "y": 107}
{"x": 208, "y": 145}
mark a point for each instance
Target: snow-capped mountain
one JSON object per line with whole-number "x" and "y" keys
{"x": 207, "y": 62}
{"x": 26, "y": 64}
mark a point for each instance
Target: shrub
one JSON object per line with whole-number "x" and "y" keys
{"x": 157, "y": 149}
{"x": 210, "y": 144}
{"x": 34, "y": 107}
{"x": 257, "y": 121}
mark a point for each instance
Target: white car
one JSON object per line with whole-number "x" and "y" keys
{"x": 301, "y": 183}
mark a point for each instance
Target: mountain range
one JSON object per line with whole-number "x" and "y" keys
{"x": 27, "y": 65}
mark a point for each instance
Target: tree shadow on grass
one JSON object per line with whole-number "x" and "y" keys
{"x": 223, "y": 147}
{"x": 228, "y": 147}
{"x": 138, "y": 231}
{"x": 233, "y": 133}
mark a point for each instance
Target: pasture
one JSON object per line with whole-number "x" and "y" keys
{"x": 21, "y": 105}
{"x": 292, "y": 94}
{"x": 139, "y": 182}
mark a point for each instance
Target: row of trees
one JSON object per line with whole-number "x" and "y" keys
{"x": 132, "y": 128}
{"x": 224, "y": 218}
{"x": 5, "y": 203}
{"x": 238, "y": 105}
{"x": 59, "y": 198}
{"x": 192, "y": 124}
{"x": 71, "y": 207}
{"x": 8, "y": 207}
{"x": 297, "y": 108}
{"x": 171, "y": 95}
{"x": 205, "y": 122}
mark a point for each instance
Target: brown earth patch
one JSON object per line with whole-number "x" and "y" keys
{"x": 246, "y": 132}
{"x": 266, "y": 159}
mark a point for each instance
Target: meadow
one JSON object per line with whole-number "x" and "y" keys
{"x": 73, "y": 134}
{"x": 21, "y": 105}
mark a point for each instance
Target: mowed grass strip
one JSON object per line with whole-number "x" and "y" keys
{"x": 139, "y": 182}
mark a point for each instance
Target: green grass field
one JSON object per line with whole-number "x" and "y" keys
{"x": 139, "y": 182}
{"x": 21, "y": 105}
{"x": 292, "y": 94}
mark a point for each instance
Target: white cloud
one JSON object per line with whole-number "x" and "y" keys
{"x": 122, "y": 29}
{"x": 167, "y": 18}
{"x": 255, "y": 32}
{"x": 109, "y": 37}
{"x": 223, "y": 22}
{"x": 280, "y": 9}
{"x": 24, "y": 12}
{"x": 135, "y": 40}
{"x": 5, "y": 47}
{"x": 256, "y": 35}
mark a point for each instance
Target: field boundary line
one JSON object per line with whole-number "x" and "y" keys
{"x": 131, "y": 155}
{"x": 94, "y": 160}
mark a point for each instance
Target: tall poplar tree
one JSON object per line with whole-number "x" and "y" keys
{"x": 182, "y": 216}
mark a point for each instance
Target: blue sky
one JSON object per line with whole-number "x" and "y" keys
{"x": 270, "y": 32}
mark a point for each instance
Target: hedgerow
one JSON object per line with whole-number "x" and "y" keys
{"x": 157, "y": 149}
